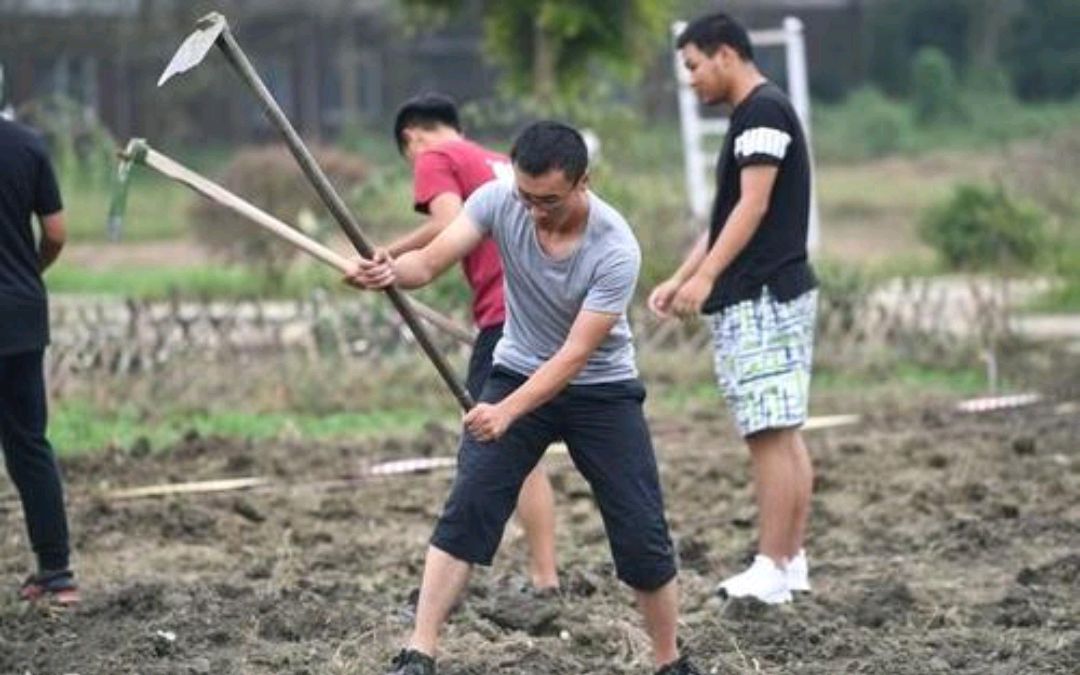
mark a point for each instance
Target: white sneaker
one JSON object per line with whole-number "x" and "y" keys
{"x": 763, "y": 580}
{"x": 798, "y": 573}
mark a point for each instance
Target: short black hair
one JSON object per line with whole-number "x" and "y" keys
{"x": 544, "y": 146}
{"x": 709, "y": 32}
{"x": 426, "y": 111}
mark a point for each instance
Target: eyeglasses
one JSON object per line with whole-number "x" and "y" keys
{"x": 547, "y": 203}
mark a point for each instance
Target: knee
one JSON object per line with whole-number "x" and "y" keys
{"x": 645, "y": 559}
{"x": 773, "y": 440}
{"x": 646, "y": 573}
{"x": 471, "y": 525}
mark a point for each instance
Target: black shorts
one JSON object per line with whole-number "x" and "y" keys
{"x": 604, "y": 428}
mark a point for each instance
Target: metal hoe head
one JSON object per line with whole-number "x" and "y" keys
{"x": 196, "y": 46}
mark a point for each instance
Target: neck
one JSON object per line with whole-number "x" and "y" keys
{"x": 749, "y": 78}
{"x": 439, "y": 136}
{"x": 574, "y": 223}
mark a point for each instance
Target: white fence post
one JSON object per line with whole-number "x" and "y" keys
{"x": 6, "y": 111}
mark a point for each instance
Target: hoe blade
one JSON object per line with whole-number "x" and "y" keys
{"x": 196, "y": 46}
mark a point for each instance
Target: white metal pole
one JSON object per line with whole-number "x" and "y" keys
{"x": 690, "y": 125}
{"x": 799, "y": 89}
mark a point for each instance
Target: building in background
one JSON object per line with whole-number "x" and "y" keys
{"x": 328, "y": 62}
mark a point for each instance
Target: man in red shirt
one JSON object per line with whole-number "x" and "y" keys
{"x": 447, "y": 168}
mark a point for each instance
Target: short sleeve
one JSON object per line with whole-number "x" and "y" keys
{"x": 765, "y": 134}
{"x": 613, "y": 286}
{"x": 484, "y": 205}
{"x": 433, "y": 175}
{"x": 46, "y": 191}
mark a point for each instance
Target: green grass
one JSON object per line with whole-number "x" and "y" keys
{"x": 78, "y": 426}
{"x": 1064, "y": 299}
{"x": 155, "y": 283}
{"x": 902, "y": 380}
{"x": 156, "y": 209}
{"x": 230, "y": 282}
{"x": 868, "y": 125}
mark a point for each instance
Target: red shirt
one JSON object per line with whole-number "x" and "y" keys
{"x": 460, "y": 167}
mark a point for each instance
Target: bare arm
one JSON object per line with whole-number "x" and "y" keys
{"x": 418, "y": 268}
{"x": 661, "y": 297}
{"x": 756, "y": 184}
{"x": 693, "y": 259}
{"x": 441, "y": 212}
{"x": 590, "y": 329}
{"x": 53, "y": 237}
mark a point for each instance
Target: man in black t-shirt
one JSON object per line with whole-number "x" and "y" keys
{"x": 27, "y": 187}
{"x": 750, "y": 275}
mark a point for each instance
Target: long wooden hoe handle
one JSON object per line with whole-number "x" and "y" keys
{"x": 239, "y": 61}
{"x": 139, "y": 152}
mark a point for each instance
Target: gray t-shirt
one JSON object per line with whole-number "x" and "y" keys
{"x": 544, "y": 295}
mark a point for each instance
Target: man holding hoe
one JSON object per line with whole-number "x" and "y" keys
{"x": 564, "y": 368}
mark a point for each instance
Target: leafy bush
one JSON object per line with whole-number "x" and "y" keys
{"x": 271, "y": 179}
{"x": 934, "y": 91}
{"x": 984, "y": 229}
{"x": 843, "y": 291}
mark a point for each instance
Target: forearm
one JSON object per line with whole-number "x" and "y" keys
{"x": 412, "y": 270}
{"x": 442, "y": 210}
{"x": 739, "y": 229}
{"x": 548, "y": 380}
{"x": 48, "y": 252}
{"x": 417, "y": 239}
{"x": 693, "y": 259}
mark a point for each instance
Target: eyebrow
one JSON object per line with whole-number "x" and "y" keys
{"x": 538, "y": 198}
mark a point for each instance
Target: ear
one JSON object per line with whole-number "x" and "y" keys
{"x": 726, "y": 55}
{"x": 413, "y": 137}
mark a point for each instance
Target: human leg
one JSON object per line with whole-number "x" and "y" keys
{"x": 29, "y": 457}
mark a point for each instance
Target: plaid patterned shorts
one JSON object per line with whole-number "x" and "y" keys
{"x": 762, "y": 351}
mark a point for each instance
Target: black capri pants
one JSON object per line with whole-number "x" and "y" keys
{"x": 605, "y": 430}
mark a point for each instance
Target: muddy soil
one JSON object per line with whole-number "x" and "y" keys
{"x": 941, "y": 542}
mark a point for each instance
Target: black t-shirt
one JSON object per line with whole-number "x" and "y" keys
{"x": 27, "y": 186}
{"x": 765, "y": 129}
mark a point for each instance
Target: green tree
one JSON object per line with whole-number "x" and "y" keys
{"x": 934, "y": 91}
{"x": 898, "y": 28}
{"x": 1042, "y": 52}
{"x": 549, "y": 47}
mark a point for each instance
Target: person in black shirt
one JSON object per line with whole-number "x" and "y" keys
{"x": 28, "y": 186}
{"x": 750, "y": 276}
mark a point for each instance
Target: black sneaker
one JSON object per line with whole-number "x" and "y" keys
{"x": 412, "y": 662}
{"x": 680, "y": 667}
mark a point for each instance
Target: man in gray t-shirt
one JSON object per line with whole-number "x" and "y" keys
{"x": 544, "y": 294}
{"x": 564, "y": 369}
